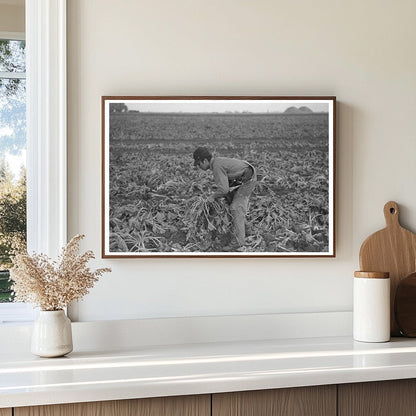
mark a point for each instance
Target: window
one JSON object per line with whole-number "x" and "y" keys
{"x": 12, "y": 153}
{"x": 12, "y": 165}
{"x": 46, "y": 135}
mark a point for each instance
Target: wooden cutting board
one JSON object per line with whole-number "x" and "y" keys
{"x": 393, "y": 250}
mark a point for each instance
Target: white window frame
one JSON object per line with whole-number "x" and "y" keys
{"x": 46, "y": 134}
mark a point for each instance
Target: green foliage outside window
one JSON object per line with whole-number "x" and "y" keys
{"x": 12, "y": 224}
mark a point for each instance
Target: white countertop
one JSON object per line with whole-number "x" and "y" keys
{"x": 151, "y": 371}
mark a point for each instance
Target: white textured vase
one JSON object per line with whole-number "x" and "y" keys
{"x": 52, "y": 334}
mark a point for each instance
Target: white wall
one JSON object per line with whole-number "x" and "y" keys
{"x": 361, "y": 51}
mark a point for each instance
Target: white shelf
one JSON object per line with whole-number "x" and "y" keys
{"x": 151, "y": 371}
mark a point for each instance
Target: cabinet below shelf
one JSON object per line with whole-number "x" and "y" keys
{"x": 382, "y": 398}
{"x": 161, "y": 406}
{"x": 312, "y": 400}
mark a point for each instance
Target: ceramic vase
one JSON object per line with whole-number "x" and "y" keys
{"x": 52, "y": 334}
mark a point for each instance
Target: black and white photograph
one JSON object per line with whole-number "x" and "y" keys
{"x": 218, "y": 176}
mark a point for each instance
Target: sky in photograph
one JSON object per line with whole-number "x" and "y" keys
{"x": 222, "y": 106}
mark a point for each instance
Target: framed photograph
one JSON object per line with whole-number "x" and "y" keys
{"x": 218, "y": 176}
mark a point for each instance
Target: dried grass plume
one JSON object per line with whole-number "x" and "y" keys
{"x": 53, "y": 285}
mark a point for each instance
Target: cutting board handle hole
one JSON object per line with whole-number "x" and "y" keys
{"x": 392, "y": 211}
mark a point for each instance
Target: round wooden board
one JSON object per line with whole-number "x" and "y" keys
{"x": 405, "y": 305}
{"x": 392, "y": 250}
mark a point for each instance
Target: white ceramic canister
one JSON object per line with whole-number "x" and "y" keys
{"x": 371, "y": 309}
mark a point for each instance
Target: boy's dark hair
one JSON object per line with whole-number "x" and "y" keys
{"x": 200, "y": 154}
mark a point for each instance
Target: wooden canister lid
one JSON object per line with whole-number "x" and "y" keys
{"x": 372, "y": 275}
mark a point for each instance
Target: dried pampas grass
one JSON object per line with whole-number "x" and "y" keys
{"x": 53, "y": 285}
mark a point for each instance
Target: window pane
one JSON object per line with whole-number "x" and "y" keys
{"x": 12, "y": 116}
{"x": 12, "y": 56}
{"x": 12, "y": 174}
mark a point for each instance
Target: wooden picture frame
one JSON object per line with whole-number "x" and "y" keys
{"x": 156, "y": 202}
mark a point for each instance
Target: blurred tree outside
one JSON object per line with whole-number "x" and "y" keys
{"x": 118, "y": 108}
{"x": 12, "y": 97}
{"x": 12, "y": 156}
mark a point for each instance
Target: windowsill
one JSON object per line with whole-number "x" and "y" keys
{"x": 16, "y": 313}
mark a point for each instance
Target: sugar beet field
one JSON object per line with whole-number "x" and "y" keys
{"x": 158, "y": 199}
